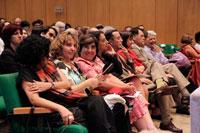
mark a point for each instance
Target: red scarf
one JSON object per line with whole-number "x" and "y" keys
{"x": 48, "y": 73}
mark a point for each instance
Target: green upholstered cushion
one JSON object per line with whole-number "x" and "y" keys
{"x": 71, "y": 129}
{"x": 2, "y": 107}
{"x": 12, "y": 100}
{"x": 9, "y": 91}
{"x": 169, "y": 49}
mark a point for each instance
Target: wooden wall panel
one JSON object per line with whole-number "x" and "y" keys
{"x": 2, "y": 9}
{"x": 36, "y": 9}
{"x": 144, "y": 13}
{"x": 77, "y": 12}
{"x": 120, "y": 13}
{"x": 166, "y": 20}
{"x": 98, "y": 12}
{"x": 52, "y": 15}
{"x": 188, "y": 14}
{"x": 15, "y": 9}
{"x": 170, "y": 19}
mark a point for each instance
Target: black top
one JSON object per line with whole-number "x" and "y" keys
{"x": 8, "y": 61}
{"x": 28, "y": 74}
{"x": 117, "y": 67}
{"x": 54, "y": 119}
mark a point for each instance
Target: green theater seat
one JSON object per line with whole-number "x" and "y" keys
{"x": 169, "y": 49}
{"x": 19, "y": 117}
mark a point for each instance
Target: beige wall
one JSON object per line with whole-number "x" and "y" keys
{"x": 169, "y": 18}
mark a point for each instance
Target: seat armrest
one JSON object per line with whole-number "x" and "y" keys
{"x": 27, "y": 110}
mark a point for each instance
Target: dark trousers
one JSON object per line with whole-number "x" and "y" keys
{"x": 99, "y": 117}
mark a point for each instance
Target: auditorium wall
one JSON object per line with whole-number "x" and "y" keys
{"x": 169, "y": 18}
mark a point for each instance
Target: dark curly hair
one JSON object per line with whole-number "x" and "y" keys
{"x": 32, "y": 50}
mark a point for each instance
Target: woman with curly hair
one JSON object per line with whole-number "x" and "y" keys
{"x": 42, "y": 82}
{"x": 63, "y": 51}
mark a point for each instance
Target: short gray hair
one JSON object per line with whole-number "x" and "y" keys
{"x": 151, "y": 33}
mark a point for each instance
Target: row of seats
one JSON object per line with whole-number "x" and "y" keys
{"x": 20, "y": 117}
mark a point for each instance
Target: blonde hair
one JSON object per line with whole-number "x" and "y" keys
{"x": 57, "y": 45}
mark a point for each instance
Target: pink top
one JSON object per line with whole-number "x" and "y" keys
{"x": 90, "y": 69}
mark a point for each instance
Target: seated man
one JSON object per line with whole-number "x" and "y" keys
{"x": 115, "y": 40}
{"x": 155, "y": 68}
{"x": 154, "y": 52}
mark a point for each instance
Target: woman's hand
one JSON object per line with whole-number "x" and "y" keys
{"x": 94, "y": 82}
{"x": 66, "y": 116}
{"x": 131, "y": 88}
{"x": 102, "y": 79}
{"x": 37, "y": 86}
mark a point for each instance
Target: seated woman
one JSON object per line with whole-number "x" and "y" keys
{"x": 187, "y": 48}
{"x": 40, "y": 80}
{"x": 63, "y": 51}
{"x": 193, "y": 55}
{"x": 120, "y": 68}
{"x": 12, "y": 36}
{"x": 92, "y": 66}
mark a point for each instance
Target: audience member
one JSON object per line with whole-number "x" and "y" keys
{"x": 1, "y": 41}
{"x": 12, "y": 37}
{"x": 92, "y": 66}
{"x": 61, "y": 26}
{"x": 67, "y": 26}
{"x": 63, "y": 51}
{"x": 38, "y": 78}
{"x": 17, "y": 21}
{"x": 26, "y": 26}
{"x": 154, "y": 52}
{"x": 187, "y": 48}
{"x": 37, "y": 24}
{"x": 24, "y": 34}
{"x": 49, "y": 33}
{"x": 194, "y": 55}
{"x": 157, "y": 70}
{"x": 197, "y": 40}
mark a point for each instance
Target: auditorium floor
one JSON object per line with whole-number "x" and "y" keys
{"x": 181, "y": 121}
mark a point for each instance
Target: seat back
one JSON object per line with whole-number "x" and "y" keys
{"x": 9, "y": 91}
{"x": 169, "y": 49}
{"x": 19, "y": 122}
{"x": 2, "y": 107}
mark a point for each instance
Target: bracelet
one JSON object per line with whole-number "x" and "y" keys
{"x": 52, "y": 85}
